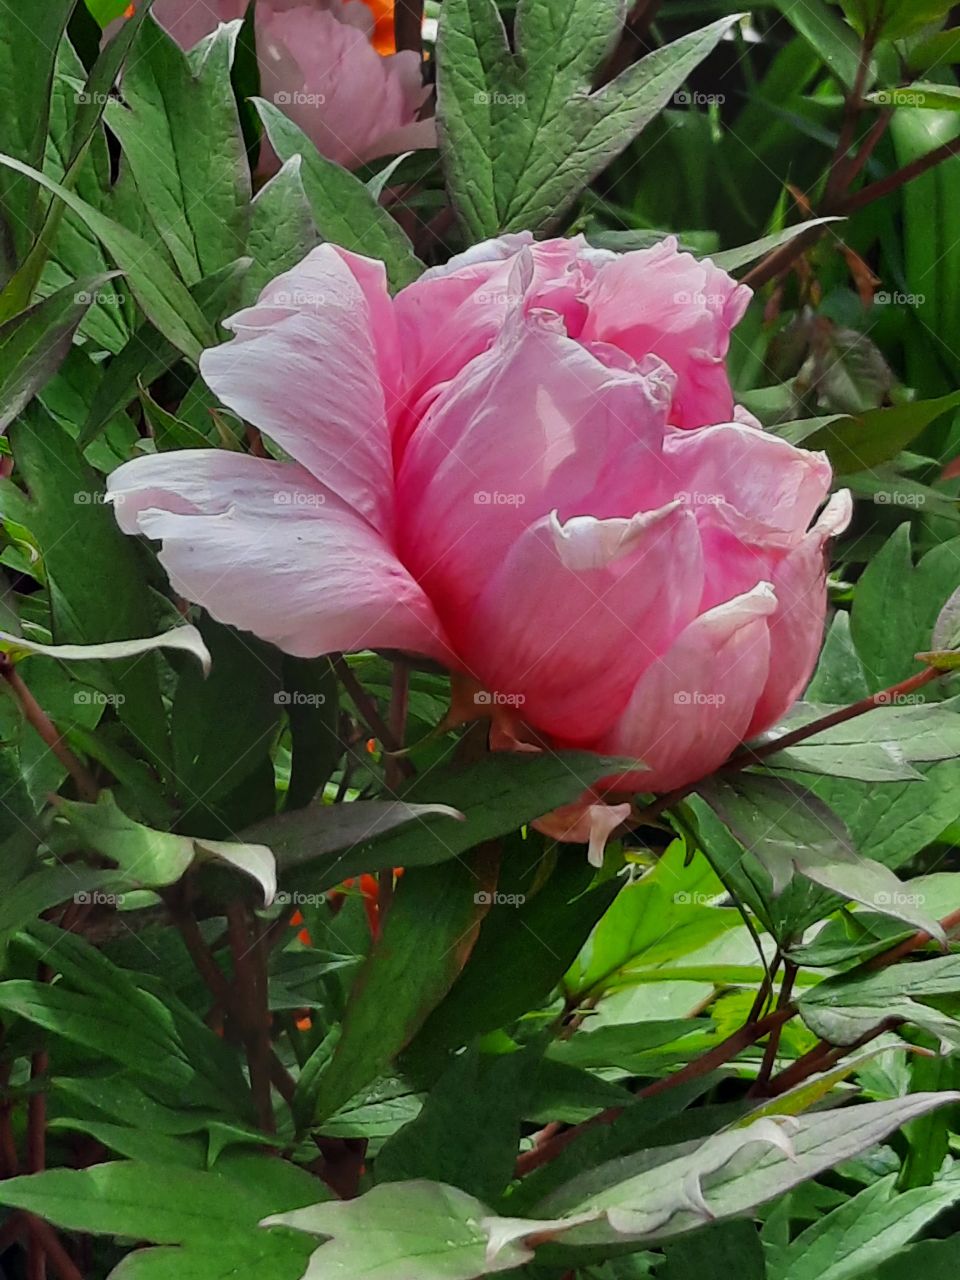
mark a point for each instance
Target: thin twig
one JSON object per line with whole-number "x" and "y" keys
{"x": 894, "y": 181}
{"x": 247, "y": 1012}
{"x": 368, "y": 710}
{"x": 35, "y": 716}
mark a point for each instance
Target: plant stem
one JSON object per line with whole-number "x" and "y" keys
{"x": 773, "y": 1043}
{"x": 408, "y": 25}
{"x": 894, "y": 181}
{"x": 35, "y": 715}
{"x": 368, "y": 710}
{"x": 248, "y": 1012}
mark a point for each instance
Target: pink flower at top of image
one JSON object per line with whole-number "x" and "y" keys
{"x": 528, "y": 466}
{"x": 319, "y": 63}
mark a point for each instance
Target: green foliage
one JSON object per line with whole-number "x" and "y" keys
{"x": 291, "y": 982}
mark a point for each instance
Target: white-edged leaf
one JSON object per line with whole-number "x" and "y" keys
{"x": 186, "y": 638}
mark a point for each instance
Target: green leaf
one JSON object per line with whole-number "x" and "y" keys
{"x": 34, "y": 344}
{"x": 529, "y": 938}
{"x": 96, "y": 576}
{"x": 197, "y": 191}
{"x": 165, "y": 1204}
{"x": 822, "y": 28}
{"x": 426, "y": 938}
{"x": 402, "y": 1231}
{"x": 28, "y": 49}
{"x": 733, "y": 259}
{"x": 932, "y": 1259}
{"x": 716, "y": 1252}
{"x": 355, "y": 832}
{"x": 154, "y": 859}
{"x": 219, "y": 740}
{"x": 468, "y": 1132}
{"x": 893, "y": 19}
{"x": 856, "y": 443}
{"x": 312, "y": 701}
{"x": 842, "y": 1008}
{"x": 165, "y": 300}
{"x": 496, "y": 795}
{"x": 147, "y": 354}
{"x": 858, "y": 1235}
{"x": 343, "y": 209}
{"x": 790, "y": 829}
{"x": 186, "y": 638}
{"x": 520, "y": 132}
{"x": 282, "y": 229}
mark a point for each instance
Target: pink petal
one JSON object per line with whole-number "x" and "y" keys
{"x": 693, "y": 706}
{"x": 585, "y": 823}
{"x": 264, "y": 547}
{"x": 470, "y": 299}
{"x": 796, "y": 629}
{"x": 578, "y": 610}
{"x": 533, "y": 425}
{"x": 304, "y": 366}
{"x": 662, "y": 302}
{"x": 762, "y": 476}
{"x": 323, "y": 72}
{"x": 188, "y": 21}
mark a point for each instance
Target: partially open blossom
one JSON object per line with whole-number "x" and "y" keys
{"x": 527, "y": 466}
{"x": 320, "y": 63}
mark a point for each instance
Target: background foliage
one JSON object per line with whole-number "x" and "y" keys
{"x": 734, "y": 1046}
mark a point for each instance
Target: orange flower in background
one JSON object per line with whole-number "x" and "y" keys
{"x": 382, "y": 38}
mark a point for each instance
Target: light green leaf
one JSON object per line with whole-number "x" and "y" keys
{"x": 282, "y": 229}
{"x": 343, "y": 209}
{"x": 186, "y": 638}
{"x": 733, "y": 259}
{"x": 520, "y": 132}
{"x": 165, "y": 300}
{"x": 402, "y": 1231}
{"x": 197, "y": 191}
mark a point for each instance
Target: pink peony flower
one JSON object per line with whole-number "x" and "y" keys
{"x": 508, "y": 468}
{"x": 318, "y": 64}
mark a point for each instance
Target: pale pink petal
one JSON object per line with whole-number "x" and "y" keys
{"x": 453, "y": 314}
{"x": 585, "y": 823}
{"x": 533, "y": 425}
{"x": 188, "y": 21}
{"x": 796, "y": 629}
{"x": 264, "y": 547}
{"x": 324, "y": 73}
{"x": 662, "y": 302}
{"x": 303, "y": 367}
{"x": 691, "y": 708}
{"x": 578, "y": 610}
{"x": 762, "y": 476}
